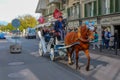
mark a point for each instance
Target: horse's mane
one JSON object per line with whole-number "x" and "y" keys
{"x": 82, "y": 30}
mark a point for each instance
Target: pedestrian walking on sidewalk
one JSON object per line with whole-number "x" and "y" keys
{"x": 107, "y": 38}
{"x": 95, "y": 41}
{"x": 103, "y": 38}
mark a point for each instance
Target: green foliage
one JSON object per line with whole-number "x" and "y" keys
{"x": 9, "y": 27}
{"x": 27, "y": 21}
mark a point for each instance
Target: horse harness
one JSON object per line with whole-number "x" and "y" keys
{"x": 79, "y": 36}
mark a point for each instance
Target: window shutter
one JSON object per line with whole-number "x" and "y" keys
{"x": 85, "y": 10}
{"x": 95, "y": 8}
{"x": 68, "y": 11}
{"x": 116, "y": 6}
{"x": 99, "y": 7}
{"x": 111, "y": 6}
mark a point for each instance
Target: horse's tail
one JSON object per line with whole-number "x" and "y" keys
{"x": 68, "y": 46}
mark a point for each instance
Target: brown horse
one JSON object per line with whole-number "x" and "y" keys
{"x": 83, "y": 36}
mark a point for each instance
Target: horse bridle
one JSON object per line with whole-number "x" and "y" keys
{"x": 81, "y": 39}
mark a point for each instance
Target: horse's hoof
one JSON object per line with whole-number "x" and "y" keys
{"x": 87, "y": 68}
{"x": 71, "y": 63}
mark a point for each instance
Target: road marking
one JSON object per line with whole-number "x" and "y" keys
{"x": 15, "y": 63}
{"x": 16, "y": 75}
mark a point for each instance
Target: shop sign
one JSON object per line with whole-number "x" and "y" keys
{"x": 115, "y": 20}
{"x": 87, "y": 1}
{"x": 105, "y": 21}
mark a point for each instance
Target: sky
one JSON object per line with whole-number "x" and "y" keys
{"x": 10, "y": 9}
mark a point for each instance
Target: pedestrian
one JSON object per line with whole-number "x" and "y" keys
{"x": 107, "y": 37}
{"x": 103, "y": 38}
{"x": 59, "y": 28}
{"x": 116, "y": 39}
{"x": 95, "y": 41}
{"x": 42, "y": 41}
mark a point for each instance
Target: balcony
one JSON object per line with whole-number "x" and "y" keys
{"x": 54, "y": 1}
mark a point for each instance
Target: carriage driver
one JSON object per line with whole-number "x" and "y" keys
{"x": 59, "y": 28}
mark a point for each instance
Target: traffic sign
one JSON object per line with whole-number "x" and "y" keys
{"x": 16, "y": 23}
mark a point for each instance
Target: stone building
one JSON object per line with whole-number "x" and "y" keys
{"x": 49, "y": 7}
{"x": 105, "y": 13}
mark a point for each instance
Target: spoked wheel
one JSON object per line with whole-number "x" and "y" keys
{"x": 40, "y": 49}
{"x": 52, "y": 57}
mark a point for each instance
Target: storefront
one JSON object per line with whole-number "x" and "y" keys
{"x": 116, "y": 23}
{"x": 111, "y": 22}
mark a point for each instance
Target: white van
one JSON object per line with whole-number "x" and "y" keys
{"x": 30, "y": 33}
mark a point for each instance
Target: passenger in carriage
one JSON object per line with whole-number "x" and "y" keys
{"x": 59, "y": 28}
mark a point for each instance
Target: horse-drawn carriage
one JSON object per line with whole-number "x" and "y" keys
{"x": 51, "y": 44}
{"x": 74, "y": 41}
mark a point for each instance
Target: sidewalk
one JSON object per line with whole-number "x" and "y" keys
{"x": 106, "y": 52}
{"x": 102, "y": 67}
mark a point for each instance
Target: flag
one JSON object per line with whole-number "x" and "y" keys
{"x": 57, "y": 13}
{"x": 41, "y": 20}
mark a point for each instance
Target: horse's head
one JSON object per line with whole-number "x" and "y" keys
{"x": 90, "y": 34}
{"x": 85, "y": 33}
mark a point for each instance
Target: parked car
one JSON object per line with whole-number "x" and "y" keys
{"x": 2, "y": 35}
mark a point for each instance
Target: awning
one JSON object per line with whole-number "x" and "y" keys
{"x": 43, "y": 25}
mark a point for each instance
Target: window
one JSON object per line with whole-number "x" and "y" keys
{"x": 89, "y": 9}
{"x": 62, "y": 6}
{"x": 105, "y": 6}
{"x": 71, "y": 11}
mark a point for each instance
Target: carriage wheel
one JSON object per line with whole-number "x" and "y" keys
{"x": 52, "y": 57}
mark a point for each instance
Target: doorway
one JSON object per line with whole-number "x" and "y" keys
{"x": 117, "y": 29}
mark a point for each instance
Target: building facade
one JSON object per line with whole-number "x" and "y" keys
{"x": 74, "y": 13}
{"x": 105, "y": 13}
{"x": 51, "y": 5}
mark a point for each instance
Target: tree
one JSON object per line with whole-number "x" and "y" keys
{"x": 27, "y": 21}
{"x": 10, "y": 27}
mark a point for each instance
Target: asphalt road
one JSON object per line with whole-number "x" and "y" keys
{"x": 30, "y": 66}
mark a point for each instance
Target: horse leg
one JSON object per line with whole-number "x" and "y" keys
{"x": 69, "y": 56}
{"x": 88, "y": 57}
{"x": 77, "y": 57}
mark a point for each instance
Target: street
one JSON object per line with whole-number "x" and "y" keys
{"x": 28, "y": 65}
{"x": 49, "y": 31}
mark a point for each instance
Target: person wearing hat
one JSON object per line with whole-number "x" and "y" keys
{"x": 59, "y": 28}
